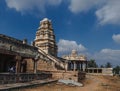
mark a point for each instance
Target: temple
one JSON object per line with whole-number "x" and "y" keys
{"x": 15, "y": 53}
{"x": 45, "y": 38}
{"x": 39, "y": 60}
{"x": 76, "y": 62}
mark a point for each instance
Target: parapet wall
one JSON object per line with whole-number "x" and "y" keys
{"x": 100, "y": 71}
{"x": 46, "y": 66}
{"x": 76, "y": 76}
{"x": 8, "y": 78}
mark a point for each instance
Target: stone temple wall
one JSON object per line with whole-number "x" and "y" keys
{"x": 76, "y": 76}
{"x": 30, "y": 65}
{"x": 46, "y": 66}
{"x": 41, "y": 66}
{"x": 100, "y": 71}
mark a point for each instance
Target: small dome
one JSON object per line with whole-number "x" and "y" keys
{"x": 74, "y": 52}
{"x": 45, "y": 19}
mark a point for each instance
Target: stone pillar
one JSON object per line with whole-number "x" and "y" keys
{"x": 92, "y": 70}
{"x": 83, "y": 67}
{"x": 74, "y": 66}
{"x": 18, "y": 58}
{"x": 17, "y": 66}
{"x": 35, "y": 66}
{"x": 97, "y": 70}
{"x": 23, "y": 66}
{"x": 66, "y": 66}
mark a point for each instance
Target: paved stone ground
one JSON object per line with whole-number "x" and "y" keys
{"x": 26, "y": 84}
{"x": 92, "y": 83}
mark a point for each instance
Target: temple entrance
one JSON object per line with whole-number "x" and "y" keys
{"x": 6, "y": 62}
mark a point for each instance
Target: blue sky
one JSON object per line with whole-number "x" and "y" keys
{"x": 92, "y": 27}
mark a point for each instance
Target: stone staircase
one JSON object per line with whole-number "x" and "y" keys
{"x": 57, "y": 62}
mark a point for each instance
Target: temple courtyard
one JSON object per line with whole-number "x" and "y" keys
{"x": 91, "y": 83}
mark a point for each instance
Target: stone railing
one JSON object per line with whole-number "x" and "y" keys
{"x": 52, "y": 58}
{"x": 6, "y": 78}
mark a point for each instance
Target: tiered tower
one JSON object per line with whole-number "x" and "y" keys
{"x": 45, "y": 38}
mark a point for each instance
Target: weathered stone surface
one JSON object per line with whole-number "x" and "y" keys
{"x": 44, "y": 65}
{"x": 45, "y": 38}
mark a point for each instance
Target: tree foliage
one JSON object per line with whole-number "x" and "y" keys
{"x": 92, "y": 64}
{"x": 101, "y": 66}
{"x": 116, "y": 70}
{"x": 108, "y": 65}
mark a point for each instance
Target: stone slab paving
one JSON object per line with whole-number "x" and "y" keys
{"x": 25, "y": 84}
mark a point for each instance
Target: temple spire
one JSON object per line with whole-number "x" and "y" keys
{"x": 45, "y": 38}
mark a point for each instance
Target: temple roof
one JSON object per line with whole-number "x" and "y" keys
{"x": 2, "y": 36}
{"x": 12, "y": 46}
{"x": 75, "y": 56}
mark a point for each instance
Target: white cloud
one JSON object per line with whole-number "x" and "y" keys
{"x": 66, "y": 46}
{"x": 24, "y": 6}
{"x": 107, "y": 11}
{"x": 77, "y": 6}
{"x": 116, "y": 38}
{"x": 102, "y": 57}
{"x": 108, "y": 55}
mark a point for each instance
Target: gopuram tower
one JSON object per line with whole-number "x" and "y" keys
{"x": 45, "y": 38}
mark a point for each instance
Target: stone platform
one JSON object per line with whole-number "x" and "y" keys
{"x": 7, "y": 87}
{"x": 10, "y": 78}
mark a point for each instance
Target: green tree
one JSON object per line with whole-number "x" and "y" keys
{"x": 116, "y": 70}
{"x": 108, "y": 65}
{"x": 92, "y": 63}
{"x": 101, "y": 66}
